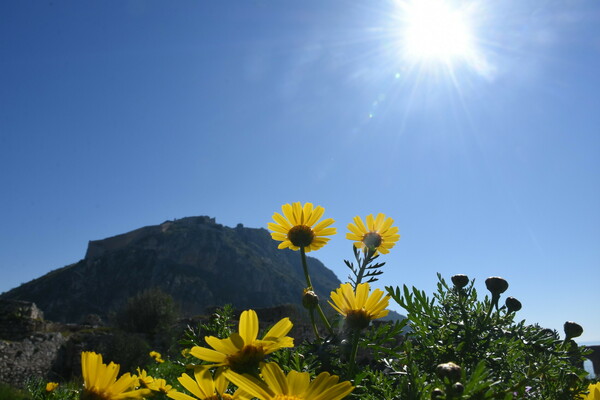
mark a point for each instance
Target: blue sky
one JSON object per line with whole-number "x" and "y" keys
{"x": 117, "y": 115}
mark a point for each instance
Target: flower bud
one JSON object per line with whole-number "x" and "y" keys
{"x": 458, "y": 388}
{"x": 496, "y": 285}
{"x": 573, "y": 380}
{"x": 310, "y": 299}
{"x": 437, "y": 393}
{"x": 460, "y": 280}
{"x": 449, "y": 370}
{"x": 50, "y": 386}
{"x": 572, "y": 330}
{"x": 512, "y": 304}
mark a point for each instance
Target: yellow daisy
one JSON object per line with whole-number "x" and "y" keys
{"x": 100, "y": 380}
{"x": 378, "y": 233}
{"x": 295, "y": 386}
{"x": 296, "y": 227}
{"x": 205, "y": 388}
{"x": 144, "y": 379}
{"x": 157, "y": 356}
{"x": 160, "y": 385}
{"x": 242, "y": 351}
{"x": 359, "y": 307}
{"x": 50, "y": 386}
{"x": 594, "y": 392}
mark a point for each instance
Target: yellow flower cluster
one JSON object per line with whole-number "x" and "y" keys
{"x": 299, "y": 227}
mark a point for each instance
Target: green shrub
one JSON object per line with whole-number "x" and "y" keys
{"x": 151, "y": 312}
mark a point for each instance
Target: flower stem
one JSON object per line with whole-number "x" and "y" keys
{"x": 309, "y": 284}
{"x": 353, "y": 353}
{"x": 312, "y": 321}
{"x": 325, "y": 321}
{"x": 305, "y": 266}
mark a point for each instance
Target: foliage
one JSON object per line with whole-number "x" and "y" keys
{"x": 8, "y": 392}
{"x": 512, "y": 357}
{"x": 36, "y": 390}
{"x": 127, "y": 349}
{"x": 151, "y": 312}
{"x": 365, "y": 267}
{"x": 219, "y": 324}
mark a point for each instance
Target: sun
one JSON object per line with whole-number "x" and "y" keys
{"x": 435, "y": 30}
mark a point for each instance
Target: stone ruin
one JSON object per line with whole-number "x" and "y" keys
{"x": 26, "y": 349}
{"x": 32, "y": 347}
{"x": 19, "y": 319}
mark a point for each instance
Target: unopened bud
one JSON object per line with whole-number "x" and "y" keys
{"x": 458, "y": 388}
{"x": 310, "y": 299}
{"x": 460, "y": 280}
{"x": 572, "y": 330}
{"x": 573, "y": 379}
{"x": 437, "y": 393}
{"x": 512, "y": 304}
{"x": 449, "y": 370}
{"x": 496, "y": 285}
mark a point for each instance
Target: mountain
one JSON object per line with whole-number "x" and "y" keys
{"x": 198, "y": 262}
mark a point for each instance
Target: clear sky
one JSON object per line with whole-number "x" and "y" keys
{"x": 474, "y": 124}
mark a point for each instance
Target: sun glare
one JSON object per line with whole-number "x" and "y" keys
{"x": 435, "y": 31}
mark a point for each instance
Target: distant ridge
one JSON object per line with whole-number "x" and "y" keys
{"x": 197, "y": 261}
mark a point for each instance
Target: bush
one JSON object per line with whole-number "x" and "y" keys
{"x": 150, "y": 312}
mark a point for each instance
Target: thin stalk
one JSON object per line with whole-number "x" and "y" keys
{"x": 309, "y": 284}
{"x": 314, "y": 325}
{"x": 325, "y": 321}
{"x": 353, "y": 353}
{"x": 305, "y": 266}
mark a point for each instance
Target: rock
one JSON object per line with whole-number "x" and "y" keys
{"x": 195, "y": 260}
{"x": 35, "y": 356}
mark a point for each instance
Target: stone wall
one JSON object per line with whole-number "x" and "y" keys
{"x": 32, "y": 347}
{"x": 19, "y": 319}
{"x": 36, "y": 356}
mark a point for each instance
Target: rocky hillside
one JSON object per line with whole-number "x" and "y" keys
{"x": 197, "y": 261}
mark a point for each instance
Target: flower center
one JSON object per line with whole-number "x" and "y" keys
{"x": 372, "y": 240}
{"x": 357, "y": 319}
{"x": 246, "y": 360}
{"x": 301, "y": 235}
